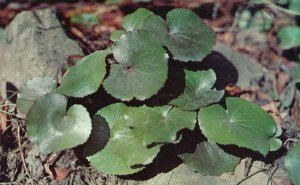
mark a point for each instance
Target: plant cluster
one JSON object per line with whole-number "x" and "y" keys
{"x": 138, "y": 69}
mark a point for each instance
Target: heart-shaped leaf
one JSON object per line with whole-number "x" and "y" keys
{"x": 86, "y": 77}
{"x": 185, "y": 34}
{"x": 292, "y": 163}
{"x": 52, "y": 128}
{"x": 198, "y": 92}
{"x": 123, "y": 151}
{"x": 133, "y": 21}
{"x": 133, "y": 129}
{"x": 243, "y": 124}
{"x": 210, "y": 159}
{"x": 33, "y": 90}
{"x": 141, "y": 69}
{"x": 289, "y": 37}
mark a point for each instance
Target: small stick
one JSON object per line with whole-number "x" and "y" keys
{"x": 22, "y": 156}
{"x": 262, "y": 170}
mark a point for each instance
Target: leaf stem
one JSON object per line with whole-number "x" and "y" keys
{"x": 244, "y": 179}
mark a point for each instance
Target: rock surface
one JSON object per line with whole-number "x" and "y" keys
{"x": 34, "y": 44}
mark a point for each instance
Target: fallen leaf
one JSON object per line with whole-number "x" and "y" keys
{"x": 282, "y": 80}
{"x": 271, "y": 107}
{"x": 61, "y": 173}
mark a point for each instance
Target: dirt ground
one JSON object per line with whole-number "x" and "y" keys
{"x": 263, "y": 73}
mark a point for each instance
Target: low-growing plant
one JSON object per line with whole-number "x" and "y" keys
{"x": 138, "y": 68}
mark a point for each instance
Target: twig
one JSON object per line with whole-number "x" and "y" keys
{"x": 22, "y": 156}
{"x": 262, "y": 170}
{"x": 275, "y": 6}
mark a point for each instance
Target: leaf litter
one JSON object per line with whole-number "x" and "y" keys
{"x": 267, "y": 86}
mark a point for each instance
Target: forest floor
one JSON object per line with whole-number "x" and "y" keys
{"x": 240, "y": 36}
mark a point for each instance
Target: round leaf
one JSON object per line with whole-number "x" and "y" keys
{"x": 33, "y": 90}
{"x": 243, "y": 124}
{"x": 134, "y": 20}
{"x": 185, "y": 34}
{"x": 289, "y": 37}
{"x": 210, "y": 159}
{"x": 52, "y": 128}
{"x": 86, "y": 77}
{"x": 133, "y": 130}
{"x": 292, "y": 163}
{"x": 198, "y": 92}
{"x": 141, "y": 69}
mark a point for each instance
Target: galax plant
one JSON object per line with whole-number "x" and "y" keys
{"x": 141, "y": 56}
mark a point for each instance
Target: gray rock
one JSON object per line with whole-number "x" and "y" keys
{"x": 34, "y": 44}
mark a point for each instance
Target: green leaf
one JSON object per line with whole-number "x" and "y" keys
{"x": 116, "y": 35}
{"x": 210, "y": 159}
{"x": 292, "y": 163}
{"x": 86, "y": 77}
{"x": 86, "y": 18}
{"x": 294, "y": 5}
{"x": 185, "y": 34}
{"x": 275, "y": 144}
{"x": 159, "y": 124}
{"x": 133, "y": 129}
{"x": 288, "y": 94}
{"x": 141, "y": 69}
{"x": 289, "y": 37}
{"x": 53, "y": 128}
{"x": 243, "y": 124}
{"x": 33, "y": 90}
{"x": 123, "y": 150}
{"x": 198, "y": 92}
{"x": 134, "y": 20}
{"x": 294, "y": 72}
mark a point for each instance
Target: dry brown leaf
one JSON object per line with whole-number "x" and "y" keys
{"x": 271, "y": 107}
{"x": 61, "y": 173}
{"x": 282, "y": 80}
{"x": 57, "y": 173}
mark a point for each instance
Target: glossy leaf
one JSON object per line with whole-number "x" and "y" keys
{"x": 198, "y": 92}
{"x": 141, "y": 69}
{"x": 289, "y": 37}
{"x": 134, "y": 20}
{"x": 53, "y": 128}
{"x": 292, "y": 163}
{"x": 210, "y": 159}
{"x": 33, "y": 90}
{"x": 133, "y": 129}
{"x": 184, "y": 33}
{"x": 86, "y": 77}
{"x": 243, "y": 124}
